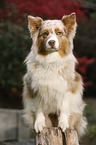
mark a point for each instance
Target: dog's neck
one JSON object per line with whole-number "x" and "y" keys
{"x": 51, "y": 61}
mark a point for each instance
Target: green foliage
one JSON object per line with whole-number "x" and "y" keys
{"x": 92, "y": 1}
{"x": 90, "y": 113}
{"x": 14, "y": 44}
{"x": 93, "y": 131}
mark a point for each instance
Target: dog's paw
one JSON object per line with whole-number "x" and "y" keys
{"x": 63, "y": 123}
{"x": 39, "y": 125}
{"x": 40, "y": 122}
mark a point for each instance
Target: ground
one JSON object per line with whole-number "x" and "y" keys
{"x": 90, "y": 112}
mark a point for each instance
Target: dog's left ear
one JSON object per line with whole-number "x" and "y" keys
{"x": 70, "y": 23}
{"x": 34, "y": 23}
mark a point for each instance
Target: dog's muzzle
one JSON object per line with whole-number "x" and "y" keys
{"x": 52, "y": 44}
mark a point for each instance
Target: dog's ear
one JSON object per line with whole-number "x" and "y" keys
{"x": 34, "y": 24}
{"x": 70, "y": 23}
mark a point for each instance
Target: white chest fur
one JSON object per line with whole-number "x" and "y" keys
{"x": 50, "y": 86}
{"x": 50, "y": 82}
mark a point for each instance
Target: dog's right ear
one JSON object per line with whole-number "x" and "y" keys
{"x": 34, "y": 23}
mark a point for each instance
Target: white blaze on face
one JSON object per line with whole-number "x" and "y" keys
{"x": 52, "y": 38}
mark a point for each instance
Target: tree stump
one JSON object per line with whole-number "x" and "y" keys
{"x": 54, "y": 136}
{"x": 71, "y": 137}
{"x": 49, "y": 136}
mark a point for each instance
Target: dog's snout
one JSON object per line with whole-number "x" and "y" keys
{"x": 51, "y": 42}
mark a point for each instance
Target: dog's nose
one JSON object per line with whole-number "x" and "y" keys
{"x": 51, "y": 42}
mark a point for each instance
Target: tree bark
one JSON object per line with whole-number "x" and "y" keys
{"x": 71, "y": 137}
{"x": 54, "y": 136}
{"x": 49, "y": 136}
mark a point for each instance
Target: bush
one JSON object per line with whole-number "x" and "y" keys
{"x": 14, "y": 44}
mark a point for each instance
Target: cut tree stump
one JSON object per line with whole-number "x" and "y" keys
{"x": 49, "y": 136}
{"x": 54, "y": 136}
{"x": 71, "y": 137}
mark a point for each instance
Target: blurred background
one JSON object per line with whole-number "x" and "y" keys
{"x": 15, "y": 44}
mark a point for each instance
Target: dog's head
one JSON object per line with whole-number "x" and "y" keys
{"x": 52, "y": 36}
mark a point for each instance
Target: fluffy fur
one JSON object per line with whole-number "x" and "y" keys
{"x": 51, "y": 84}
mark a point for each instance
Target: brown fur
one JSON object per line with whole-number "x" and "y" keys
{"x": 75, "y": 84}
{"x": 69, "y": 22}
{"x": 63, "y": 46}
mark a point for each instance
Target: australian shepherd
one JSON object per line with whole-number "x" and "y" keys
{"x": 51, "y": 84}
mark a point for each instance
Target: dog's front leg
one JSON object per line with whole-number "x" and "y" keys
{"x": 64, "y": 115}
{"x": 63, "y": 121}
{"x": 40, "y": 121}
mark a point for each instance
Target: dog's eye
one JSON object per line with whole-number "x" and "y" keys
{"x": 45, "y": 34}
{"x": 59, "y": 33}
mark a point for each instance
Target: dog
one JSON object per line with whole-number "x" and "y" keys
{"x": 52, "y": 87}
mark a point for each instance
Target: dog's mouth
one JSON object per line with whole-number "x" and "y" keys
{"x": 51, "y": 49}
{"x": 48, "y": 50}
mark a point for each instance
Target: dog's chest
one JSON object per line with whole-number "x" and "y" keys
{"x": 48, "y": 82}
{"x": 50, "y": 87}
